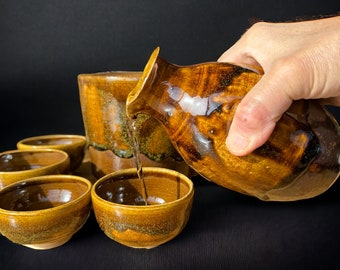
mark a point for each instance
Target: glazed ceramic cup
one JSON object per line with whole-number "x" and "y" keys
{"x": 103, "y": 97}
{"x": 44, "y": 212}
{"x": 123, "y": 216}
{"x": 16, "y": 165}
{"x": 73, "y": 145}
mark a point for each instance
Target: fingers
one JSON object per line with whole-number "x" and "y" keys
{"x": 234, "y": 55}
{"x": 250, "y": 128}
{"x": 299, "y": 61}
{"x": 256, "y": 115}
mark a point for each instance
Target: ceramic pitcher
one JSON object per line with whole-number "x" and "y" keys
{"x": 196, "y": 105}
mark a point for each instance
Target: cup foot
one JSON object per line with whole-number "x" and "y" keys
{"x": 50, "y": 244}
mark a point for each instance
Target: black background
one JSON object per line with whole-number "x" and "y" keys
{"x": 44, "y": 45}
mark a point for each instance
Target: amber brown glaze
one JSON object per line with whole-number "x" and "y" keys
{"x": 196, "y": 105}
{"x": 73, "y": 145}
{"x": 103, "y": 98}
{"x": 17, "y": 165}
{"x": 123, "y": 216}
{"x": 44, "y": 212}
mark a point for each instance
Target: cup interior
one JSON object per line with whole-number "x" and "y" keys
{"x": 53, "y": 140}
{"x": 127, "y": 189}
{"x": 28, "y": 160}
{"x": 42, "y": 193}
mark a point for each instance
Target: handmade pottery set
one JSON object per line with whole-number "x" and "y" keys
{"x": 181, "y": 116}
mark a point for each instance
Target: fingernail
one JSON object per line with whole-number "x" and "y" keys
{"x": 237, "y": 143}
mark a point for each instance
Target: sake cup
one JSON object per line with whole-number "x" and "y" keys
{"x": 16, "y": 165}
{"x": 122, "y": 214}
{"x": 44, "y": 212}
{"x": 73, "y": 145}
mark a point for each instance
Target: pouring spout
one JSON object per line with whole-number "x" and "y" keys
{"x": 137, "y": 102}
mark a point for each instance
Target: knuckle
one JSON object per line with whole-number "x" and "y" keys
{"x": 295, "y": 75}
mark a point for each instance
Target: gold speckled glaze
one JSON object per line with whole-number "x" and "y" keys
{"x": 118, "y": 207}
{"x": 44, "y": 212}
{"x": 73, "y": 145}
{"x": 17, "y": 165}
{"x": 196, "y": 105}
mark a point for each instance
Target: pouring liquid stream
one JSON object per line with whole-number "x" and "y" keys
{"x": 136, "y": 153}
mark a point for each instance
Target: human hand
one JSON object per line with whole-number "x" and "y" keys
{"x": 300, "y": 60}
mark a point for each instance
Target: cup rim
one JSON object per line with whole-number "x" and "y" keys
{"x": 47, "y": 179}
{"x": 46, "y": 150}
{"x": 25, "y": 142}
{"x": 99, "y": 199}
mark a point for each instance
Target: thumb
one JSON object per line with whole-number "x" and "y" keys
{"x": 256, "y": 115}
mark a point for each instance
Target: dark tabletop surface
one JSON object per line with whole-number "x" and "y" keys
{"x": 46, "y": 44}
{"x": 226, "y": 230}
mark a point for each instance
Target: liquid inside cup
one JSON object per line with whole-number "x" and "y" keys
{"x": 51, "y": 141}
{"x": 21, "y": 167}
{"x": 31, "y": 196}
{"x": 27, "y": 160}
{"x": 129, "y": 191}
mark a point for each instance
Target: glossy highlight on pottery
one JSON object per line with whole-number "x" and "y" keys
{"x": 44, "y": 212}
{"x": 121, "y": 213}
{"x": 196, "y": 105}
{"x": 103, "y": 99}
{"x": 16, "y": 165}
{"x": 73, "y": 145}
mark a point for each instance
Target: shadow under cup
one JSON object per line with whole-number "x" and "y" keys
{"x": 103, "y": 103}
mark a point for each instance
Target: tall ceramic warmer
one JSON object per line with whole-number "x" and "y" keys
{"x": 103, "y": 97}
